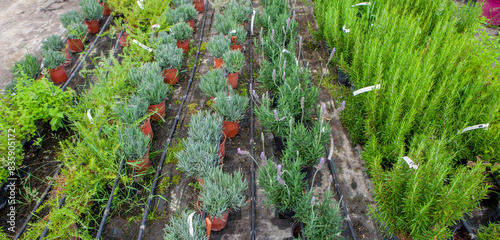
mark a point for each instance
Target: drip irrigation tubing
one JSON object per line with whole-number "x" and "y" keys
{"x": 80, "y": 62}
{"x": 174, "y": 127}
{"x": 252, "y": 167}
{"x": 331, "y": 166}
{"x": 46, "y": 230}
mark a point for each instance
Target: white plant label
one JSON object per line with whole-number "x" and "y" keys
{"x": 410, "y": 163}
{"x": 140, "y": 4}
{"x": 156, "y": 26}
{"x": 90, "y": 117}
{"x": 190, "y": 222}
{"x": 285, "y": 51}
{"x": 232, "y": 32}
{"x": 251, "y": 23}
{"x": 361, "y": 4}
{"x": 345, "y": 29}
{"x": 366, "y": 89}
{"x": 479, "y": 126}
{"x": 142, "y": 45}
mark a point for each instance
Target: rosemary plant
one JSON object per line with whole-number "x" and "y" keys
{"x": 91, "y": 10}
{"x": 181, "y": 31}
{"x": 179, "y": 227}
{"x": 218, "y": 45}
{"x": 234, "y": 61}
{"x": 197, "y": 159}
{"x": 213, "y": 82}
{"x": 154, "y": 92}
{"x": 53, "y": 59}
{"x": 69, "y": 17}
{"x": 52, "y": 42}
{"x": 134, "y": 144}
{"x": 221, "y": 192}
{"x": 232, "y": 108}
{"x": 169, "y": 56}
{"x": 28, "y": 67}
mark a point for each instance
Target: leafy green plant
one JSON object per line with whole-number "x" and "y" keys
{"x": 148, "y": 72}
{"x": 187, "y": 11}
{"x": 232, "y": 108}
{"x": 53, "y": 59}
{"x": 205, "y": 127}
{"x": 224, "y": 24}
{"x": 234, "y": 61}
{"x": 279, "y": 122}
{"x": 197, "y": 159}
{"x": 178, "y": 3}
{"x": 174, "y": 16}
{"x": 52, "y": 42}
{"x": 134, "y": 144}
{"x": 213, "y": 82}
{"x": 154, "y": 92}
{"x": 179, "y": 227}
{"x": 165, "y": 39}
{"x": 221, "y": 192}
{"x": 238, "y": 11}
{"x": 240, "y": 34}
{"x": 132, "y": 111}
{"x": 169, "y": 56}
{"x": 307, "y": 144}
{"x": 91, "y": 10}
{"x": 76, "y": 30}
{"x": 492, "y": 231}
{"x": 70, "y": 17}
{"x": 181, "y": 31}
{"x": 218, "y": 45}
{"x": 219, "y": 5}
{"x": 28, "y": 67}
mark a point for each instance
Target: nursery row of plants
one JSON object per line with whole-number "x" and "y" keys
{"x": 433, "y": 76}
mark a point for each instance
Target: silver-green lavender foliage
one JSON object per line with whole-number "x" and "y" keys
{"x": 240, "y": 34}
{"x": 165, "y": 38}
{"x": 169, "y": 56}
{"x": 239, "y": 12}
{"x": 53, "y": 59}
{"x": 197, "y": 159}
{"x": 147, "y": 72}
{"x": 187, "y": 11}
{"x": 28, "y": 66}
{"x": 179, "y": 229}
{"x": 134, "y": 144}
{"x": 91, "y": 10}
{"x": 129, "y": 113}
{"x": 52, "y": 42}
{"x": 181, "y": 31}
{"x": 69, "y": 17}
{"x": 76, "y": 30}
{"x": 224, "y": 24}
{"x": 222, "y": 191}
{"x": 173, "y": 16}
{"x": 232, "y": 108}
{"x": 234, "y": 61}
{"x": 218, "y": 45}
{"x": 154, "y": 91}
{"x": 177, "y": 3}
{"x": 205, "y": 127}
{"x": 213, "y": 82}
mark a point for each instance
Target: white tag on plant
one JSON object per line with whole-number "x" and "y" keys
{"x": 366, "y": 89}
{"x": 410, "y": 163}
{"x": 285, "y": 51}
{"x": 140, "y": 4}
{"x": 361, "y": 4}
{"x": 90, "y": 117}
{"x": 190, "y": 222}
{"x": 156, "y": 26}
{"x": 142, "y": 45}
{"x": 479, "y": 126}
{"x": 345, "y": 29}
{"x": 234, "y": 31}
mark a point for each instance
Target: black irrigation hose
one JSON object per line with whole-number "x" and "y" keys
{"x": 81, "y": 61}
{"x": 466, "y": 225}
{"x": 169, "y": 140}
{"x": 46, "y": 230}
{"x": 252, "y": 167}
{"x": 42, "y": 198}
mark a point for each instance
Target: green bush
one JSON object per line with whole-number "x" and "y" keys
{"x": 234, "y": 61}
{"x": 169, "y": 56}
{"x": 53, "y": 59}
{"x": 218, "y": 45}
{"x": 182, "y": 31}
{"x": 27, "y": 67}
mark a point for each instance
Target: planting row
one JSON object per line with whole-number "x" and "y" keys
{"x": 426, "y": 102}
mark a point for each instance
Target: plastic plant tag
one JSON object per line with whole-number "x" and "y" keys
{"x": 140, "y": 5}
{"x": 251, "y": 24}
{"x": 156, "y": 26}
{"x": 142, "y": 45}
{"x": 361, "y": 4}
{"x": 232, "y": 32}
{"x": 483, "y": 126}
{"x": 90, "y": 117}
{"x": 345, "y": 29}
{"x": 366, "y": 89}
{"x": 410, "y": 163}
{"x": 285, "y": 51}
{"x": 190, "y": 222}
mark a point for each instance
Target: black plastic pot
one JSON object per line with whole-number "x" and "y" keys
{"x": 495, "y": 215}
{"x": 296, "y": 230}
{"x": 279, "y": 143}
{"x": 462, "y": 231}
{"x": 285, "y": 213}
{"x": 308, "y": 171}
{"x": 274, "y": 100}
{"x": 343, "y": 78}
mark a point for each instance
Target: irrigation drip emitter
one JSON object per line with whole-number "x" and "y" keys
{"x": 252, "y": 166}
{"x": 81, "y": 61}
{"x": 174, "y": 127}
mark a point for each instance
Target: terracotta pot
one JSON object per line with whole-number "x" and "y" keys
{"x": 161, "y": 111}
{"x": 201, "y": 181}
{"x": 222, "y": 147}
{"x": 191, "y": 23}
{"x": 217, "y": 224}
{"x": 232, "y": 79}
{"x": 184, "y": 45}
{"x": 75, "y": 45}
{"x": 235, "y": 47}
{"x": 123, "y": 39}
{"x": 68, "y": 61}
{"x": 107, "y": 11}
{"x": 58, "y": 75}
{"x": 219, "y": 62}
{"x": 231, "y": 129}
{"x": 146, "y": 129}
{"x": 92, "y": 26}
{"x": 199, "y": 5}
{"x": 141, "y": 164}
{"x": 170, "y": 76}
